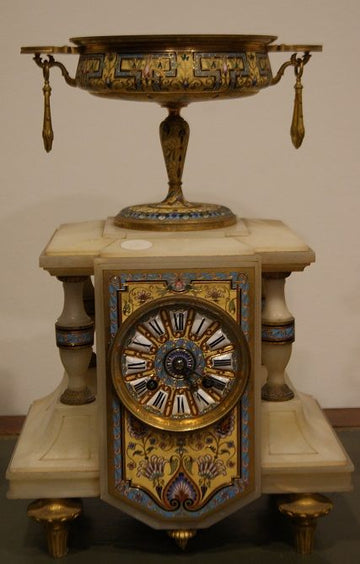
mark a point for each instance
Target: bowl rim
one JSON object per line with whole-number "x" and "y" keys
{"x": 202, "y": 42}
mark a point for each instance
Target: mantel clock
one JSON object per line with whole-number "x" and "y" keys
{"x": 186, "y": 413}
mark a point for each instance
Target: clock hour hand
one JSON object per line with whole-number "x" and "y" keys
{"x": 183, "y": 371}
{"x": 193, "y": 383}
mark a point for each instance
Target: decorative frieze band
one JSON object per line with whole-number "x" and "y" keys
{"x": 278, "y": 333}
{"x": 74, "y": 337}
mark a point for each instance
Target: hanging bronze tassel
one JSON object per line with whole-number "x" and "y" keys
{"x": 47, "y": 132}
{"x": 297, "y": 130}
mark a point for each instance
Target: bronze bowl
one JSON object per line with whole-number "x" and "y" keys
{"x": 173, "y": 70}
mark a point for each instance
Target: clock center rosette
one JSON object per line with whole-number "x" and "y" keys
{"x": 180, "y": 363}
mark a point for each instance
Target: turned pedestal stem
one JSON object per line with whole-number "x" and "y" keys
{"x": 75, "y": 337}
{"x": 174, "y": 137}
{"x": 277, "y": 337}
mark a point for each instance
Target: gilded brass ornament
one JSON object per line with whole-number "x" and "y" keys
{"x": 173, "y": 71}
{"x": 56, "y": 516}
{"x": 182, "y": 536}
{"x": 304, "y": 510}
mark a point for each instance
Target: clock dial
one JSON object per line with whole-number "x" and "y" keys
{"x": 180, "y": 363}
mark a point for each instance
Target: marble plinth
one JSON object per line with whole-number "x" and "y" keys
{"x": 57, "y": 452}
{"x": 300, "y": 450}
{"x": 74, "y": 247}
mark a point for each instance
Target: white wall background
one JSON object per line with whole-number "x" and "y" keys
{"x": 107, "y": 155}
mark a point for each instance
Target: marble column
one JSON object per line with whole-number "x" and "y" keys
{"x": 75, "y": 337}
{"x": 278, "y": 334}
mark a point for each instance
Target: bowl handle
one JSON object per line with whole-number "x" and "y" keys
{"x": 46, "y": 64}
{"x": 297, "y": 129}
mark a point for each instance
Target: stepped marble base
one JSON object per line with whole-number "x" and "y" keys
{"x": 57, "y": 452}
{"x": 300, "y": 450}
{"x": 56, "y": 455}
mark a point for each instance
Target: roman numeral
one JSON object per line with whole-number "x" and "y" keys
{"x": 202, "y": 399}
{"x": 139, "y": 342}
{"x": 144, "y": 345}
{"x": 222, "y": 362}
{"x": 200, "y": 325}
{"x": 134, "y": 365}
{"x": 140, "y": 386}
{"x": 218, "y": 382}
{"x": 141, "y": 365}
{"x": 158, "y": 400}
{"x": 155, "y": 326}
{"x": 216, "y": 342}
{"x": 180, "y": 405}
{"x": 178, "y": 320}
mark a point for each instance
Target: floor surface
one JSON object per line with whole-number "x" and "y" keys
{"x": 257, "y": 534}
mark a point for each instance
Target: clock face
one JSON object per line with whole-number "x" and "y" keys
{"x": 180, "y": 363}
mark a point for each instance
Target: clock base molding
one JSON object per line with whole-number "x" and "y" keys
{"x": 57, "y": 453}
